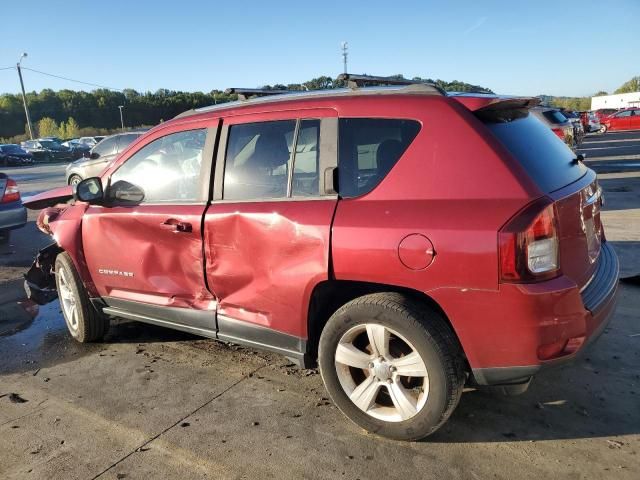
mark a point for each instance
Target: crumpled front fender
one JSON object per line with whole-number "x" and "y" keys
{"x": 48, "y": 198}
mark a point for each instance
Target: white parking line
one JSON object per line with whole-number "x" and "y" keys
{"x": 614, "y": 141}
{"x": 606, "y": 148}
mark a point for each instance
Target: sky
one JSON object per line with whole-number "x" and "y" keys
{"x": 561, "y": 47}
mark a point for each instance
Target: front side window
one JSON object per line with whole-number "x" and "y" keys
{"x": 368, "y": 150}
{"x": 167, "y": 169}
{"x": 626, "y": 113}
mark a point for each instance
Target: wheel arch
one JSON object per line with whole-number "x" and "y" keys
{"x": 329, "y": 295}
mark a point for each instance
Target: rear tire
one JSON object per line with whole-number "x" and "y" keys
{"x": 405, "y": 383}
{"x": 84, "y": 322}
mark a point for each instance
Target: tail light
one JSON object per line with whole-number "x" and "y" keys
{"x": 11, "y": 192}
{"x": 528, "y": 245}
{"x": 559, "y": 131}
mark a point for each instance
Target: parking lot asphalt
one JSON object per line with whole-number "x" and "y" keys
{"x": 154, "y": 403}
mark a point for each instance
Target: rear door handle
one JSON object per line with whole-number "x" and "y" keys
{"x": 177, "y": 225}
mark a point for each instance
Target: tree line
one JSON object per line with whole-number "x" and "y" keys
{"x": 584, "y": 103}
{"x": 70, "y": 113}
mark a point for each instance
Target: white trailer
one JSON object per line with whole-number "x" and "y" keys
{"x": 621, "y": 100}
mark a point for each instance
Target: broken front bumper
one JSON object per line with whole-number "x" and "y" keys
{"x": 40, "y": 280}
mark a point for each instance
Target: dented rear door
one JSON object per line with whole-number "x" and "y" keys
{"x": 267, "y": 231}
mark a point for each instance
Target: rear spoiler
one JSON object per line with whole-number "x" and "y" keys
{"x": 476, "y": 102}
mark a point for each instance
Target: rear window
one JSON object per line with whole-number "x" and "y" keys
{"x": 554, "y": 116}
{"x": 543, "y": 155}
{"x": 368, "y": 150}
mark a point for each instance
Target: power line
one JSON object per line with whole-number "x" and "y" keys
{"x": 71, "y": 79}
{"x": 8, "y": 68}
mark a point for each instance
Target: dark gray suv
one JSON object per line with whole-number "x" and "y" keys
{"x": 99, "y": 157}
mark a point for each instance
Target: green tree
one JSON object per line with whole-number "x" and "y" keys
{"x": 632, "y": 85}
{"x": 600, "y": 93}
{"x": 47, "y": 127}
{"x": 68, "y": 129}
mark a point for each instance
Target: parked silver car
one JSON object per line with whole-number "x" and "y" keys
{"x": 99, "y": 157}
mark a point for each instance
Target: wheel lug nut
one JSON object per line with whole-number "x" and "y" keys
{"x": 370, "y": 365}
{"x": 393, "y": 369}
{"x": 389, "y": 381}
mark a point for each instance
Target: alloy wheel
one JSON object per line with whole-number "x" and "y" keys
{"x": 67, "y": 300}
{"x": 381, "y": 372}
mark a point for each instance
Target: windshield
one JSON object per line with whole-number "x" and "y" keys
{"x": 49, "y": 144}
{"x": 543, "y": 155}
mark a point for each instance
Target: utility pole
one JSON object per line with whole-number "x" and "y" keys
{"x": 24, "y": 97}
{"x": 121, "y": 117}
{"x": 345, "y": 53}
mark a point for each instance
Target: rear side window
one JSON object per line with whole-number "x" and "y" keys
{"x": 125, "y": 140}
{"x": 258, "y": 159}
{"x": 547, "y": 159}
{"x": 106, "y": 147}
{"x": 554, "y": 116}
{"x": 260, "y": 155}
{"x": 368, "y": 150}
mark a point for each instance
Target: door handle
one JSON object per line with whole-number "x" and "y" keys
{"x": 177, "y": 225}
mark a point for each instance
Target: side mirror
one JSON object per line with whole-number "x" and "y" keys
{"x": 126, "y": 193}
{"x": 94, "y": 155}
{"x": 89, "y": 190}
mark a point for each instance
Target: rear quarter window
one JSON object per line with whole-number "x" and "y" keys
{"x": 368, "y": 150}
{"x": 545, "y": 157}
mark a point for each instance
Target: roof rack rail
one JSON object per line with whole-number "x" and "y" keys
{"x": 246, "y": 93}
{"x": 356, "y": 81}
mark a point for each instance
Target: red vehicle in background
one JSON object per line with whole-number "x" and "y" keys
{"x": 604, "y": 112}
{"x": 626, "y": 119}
{"x": 406, "y": 240}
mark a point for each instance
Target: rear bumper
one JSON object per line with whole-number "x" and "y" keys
{"x": 12, "y": 215}
{"x": 571, "y": 325}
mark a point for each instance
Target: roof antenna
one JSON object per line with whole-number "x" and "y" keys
{"x": 345, "y": 54}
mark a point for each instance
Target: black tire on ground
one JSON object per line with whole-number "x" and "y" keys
{"x": 74, "y": 178}
{"x": 432, "y": 338}
{"x": 88, "y": 325}
{"x": 5, "y": 236}
{"x": 603, "y": 129}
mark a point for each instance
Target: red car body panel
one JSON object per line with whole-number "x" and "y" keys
{"x": 138, "y": 256}
{"x": 258, "y": 262}
{"x": 620, "y": 121}
{"x": 48, "y": 198}
{"x": 265, "y": 258}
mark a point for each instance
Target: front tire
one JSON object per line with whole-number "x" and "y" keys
{"x": 603, "y": 129}
{"x": 84, "y": 322}
{"x": 74, "y": 179}
{"x": 392, "y": 365}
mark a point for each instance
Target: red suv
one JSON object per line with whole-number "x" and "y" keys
{"x": 406, "y": 240}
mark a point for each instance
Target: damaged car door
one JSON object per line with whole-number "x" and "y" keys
{"x": 144, "y": 246}
{"x": 267, "y": 231}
